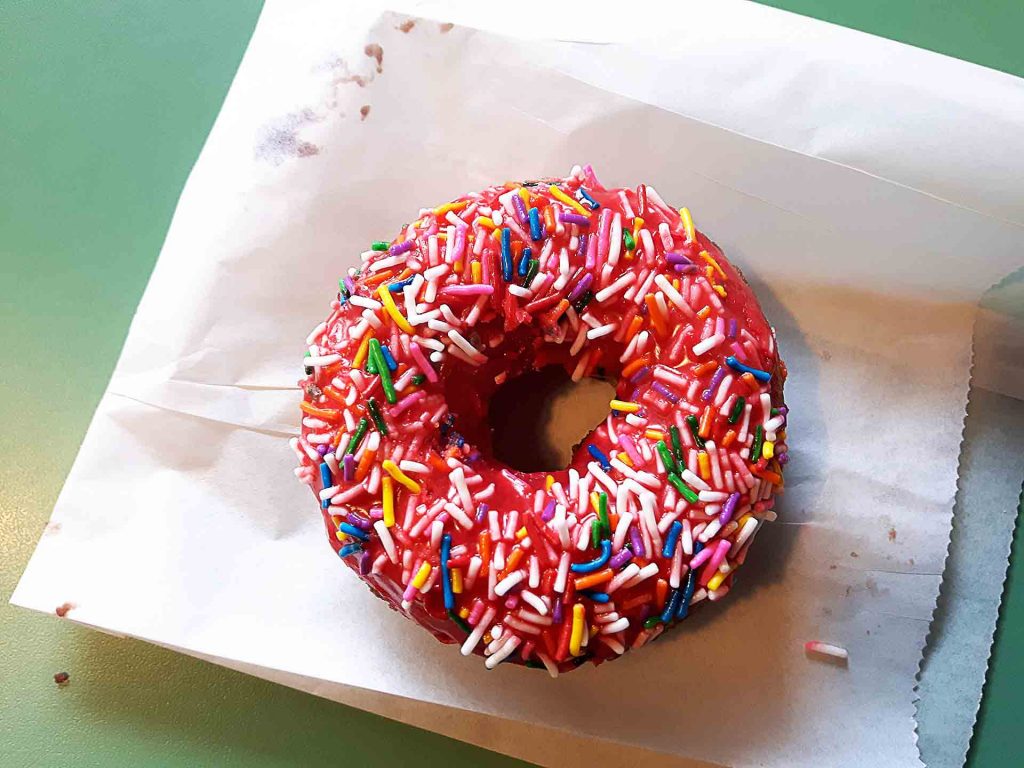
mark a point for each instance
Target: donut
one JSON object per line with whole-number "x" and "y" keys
{"x": 660, "y": 502}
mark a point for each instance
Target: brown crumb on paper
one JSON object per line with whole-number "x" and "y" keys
{"x": 406, "y": 26}
{"x": 62, "y": 610}
{"x": 61, "y": 678}
{"x": 375, "y": 52}
{"x": 892, "y": 535}
{"x": 447, "y": 27}
{"x": 364, "y": 111}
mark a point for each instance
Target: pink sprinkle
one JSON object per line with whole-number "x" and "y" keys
{"x": 630, "y": 448}
{"x": 467, "y": 290}
{"x": 402, "y": 405}
{"x": 700, "y": 558}
{"x": 421, "y": 362}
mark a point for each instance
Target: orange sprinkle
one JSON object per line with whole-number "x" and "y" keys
{"x": 484, "y": 548}
{"x": 329, "y": 372}
{"x": 336, "y": 440}
{"x": 549, "y": 220}
{"x": 441, "y": 210}
{"x": 364, "y": 465}
{"x": 705, "y": 422}
{"x": 704, "y": 368}
{"x": 334, "y": 394}
{"x": 593, "y": 579}
{"x": 729, "y": 439}
{"x": 624, "y": 458}
{"x": 517, "y": 249}
{"x": 654, "y": 312}
{"x": 704, "y": 465}
{"x": 660, "y": 593}
{"x": 711, "y": 260}
{"x": 633, "y": 329}
{"x": 438, "y": 463}
{"x": 637, "y": 364}
{"x": 703, "y": 314}
{"x": 514, "y": 557}
{"x": 766, "y": 474}
{"x": 750, "y": 381}
{"x": 364, "y": 347}
{"x": 654, "y": 434}
{"x": 380, "y": 277}
{"x": 327, "y": 414}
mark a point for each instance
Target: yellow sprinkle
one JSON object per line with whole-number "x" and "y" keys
{"x": 564, "y": 198}
{"x": 476, "y": 270}
{"x": 388, "y": 489}
{"x": 524, "y": 193}
{"x": 715, "y": 581}
{"x": 637, "y": 225}
{"x": 625, "y": 407}
{"x": 709, "y": 273}
{"x": 457, "y": 581}
{"x": 341, "y": 535}
{"x": 496, "y": 234}
{"x": 720, "y": 291}
{"x": 548, "y": 482}
{"x": 441, "y": 210}
{"x": 522, "y": 533}
{"x": 392, "y": 309}
{"x": 364, "y": 347}
{"x": 743, "y": 521}
{"x": 624, "y": 458}
{"x": 711, "y": 260}
{"x": 576, "y": 638}
{"x": 457, "y": 266}
{"x": 485, "y": 221}
{"x": 595, "y": 501}
{"x": 684, "y": 214}
{"x": 704, "y": 464}
{"x": 768, "y": 450}
{"x": 421, "y": 575}
{"x": 463, "y": 612}
{"x": 676, "y": 283}
{"x": 392, "y": 469}
{"x": 654, "y": 434}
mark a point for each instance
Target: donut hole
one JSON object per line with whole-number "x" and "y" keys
{"x": 539, "y": 418}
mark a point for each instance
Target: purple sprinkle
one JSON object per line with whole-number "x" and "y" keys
{"x": 581, "y": 287}
{"x": 581, "y": 252}
{"x": 481, "y": 510}
{"x": 639, "y": 375}
{"x": 349, "y": 468}
{"x": 669, "y": 395}
{"x": 556, "y": 612}
{"x": 399, "y": 248}
{"x": 350, "y": 285}
{"x": 732, "y": 328}
{"x": 377, "y": 513}
{"x": 729, "y": 508}
{"x": 636, "y": 542}
{"x": 574, "y": 218}
{"x": 677, "y": 258}
{"x": 634, "y": 396}
{"x": 684, "y": 269}
{"x": 474, "y": 456}
{"x": 620, "y": 559}
{"x": 365, "y": 563}
{"x": 715, "y": 381}
{"x": 358, "y": 521}
{"x": 517, "y": 203}
{"x": 549, "y": 511}
{"x": 783, "y": 458}
{"x": 783, "y": 409}
{"x": 323, "y": 449}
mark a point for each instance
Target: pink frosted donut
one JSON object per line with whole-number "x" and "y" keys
{"x": 660, "y": 501}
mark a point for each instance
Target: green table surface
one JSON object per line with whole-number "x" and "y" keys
{"x": 104, "y": 106}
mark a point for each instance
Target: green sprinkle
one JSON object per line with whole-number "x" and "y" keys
{"x": 755, "y": 449}
{"x": 342, "y": 288}
{"x": 531, "y": 271}
{"x": 652, "y": 622}
{"x": 737, "y": 409}
{"x": 307, "y": 368}
{"x": 677, "y": 444}
{"x": 688, "y": 493}
{"x": 418, "y": 379}
{"x": 379, "y": 245}
{"x": 666, "y": 456}
{"x": 377, "y": 416}
{"x": 461, "y": 622}
{"x": 357, "y": 437}
{"x": 694, "y": 429}
{"x": 595, "y": 533}
{"x": 534, "y": 664}
{"x": 382, "y": 370}
{"x": 627, "y": 238}
{"x": 602, "y": 513}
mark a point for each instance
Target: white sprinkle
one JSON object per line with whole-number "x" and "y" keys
{"x": 365, "y": 303}
{"x": 826, "y": 649}
{"x": 386, "y": 540}
{"x": 708, "y": 344}
{"x": 503, "y": 652}
{"x": 537, "y": 604}
{"x": 478, "y": 632}
{"x": 508, "y": 582}
{"x": 606, "y": 293}
{"x": 604, "y": 330}
{"x": 616, "y": 626}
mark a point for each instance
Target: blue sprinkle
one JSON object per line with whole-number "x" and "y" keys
{"x": 524, "y": 262}
{"x": 671, "y": 538}
{"x": 691, "y": 586}
{"x": 389, "y": 359}
{"x": 535, "y": 229}
{"x": 597, "y": 597}
{"x": 672, "y": 606}
{"x": 351, "y": 530}
{"x": 736, "y": 365}
{"x": 327, "y": 481}
{"x": 591, "y": 203}
{"x": 446, "y": 579}
{"x": 350, "y": 549}
{"x": 396, "y": 287}
{"x": 506, "y": 254}
{"x": 597, "y": 563}
{"x": 600, "y": 457}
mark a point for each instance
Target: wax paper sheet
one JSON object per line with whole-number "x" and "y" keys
{"x": 843, "y": 190}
